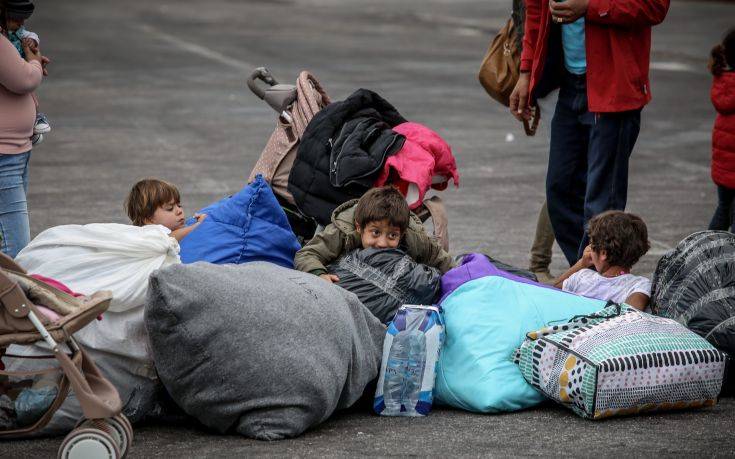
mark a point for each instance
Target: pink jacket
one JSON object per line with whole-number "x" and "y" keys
{"x": 425, "y": 161}
{"x": 18, "y": 79}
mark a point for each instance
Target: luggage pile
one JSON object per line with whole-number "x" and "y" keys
{"x": 245, "y": 344}
{"x": 598, "y": 359}
{"x": 324, "y": 153}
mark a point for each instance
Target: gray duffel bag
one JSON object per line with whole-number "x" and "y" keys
{"x": 258, "y": 349}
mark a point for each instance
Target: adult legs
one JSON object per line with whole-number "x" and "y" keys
{"x": 14, "y": 226}
{"x": 612, "y": 137}
{"x": 543, "y": 243}
{"x": 543, "y": 240}
{"x": 724, "y": 216}
{"x": 566, "y": 175}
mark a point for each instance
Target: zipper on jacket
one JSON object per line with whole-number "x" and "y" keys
{"x": 333, "y": 166}
{"x": 382, "y": 161}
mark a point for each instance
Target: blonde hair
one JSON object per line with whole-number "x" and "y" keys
{"x": 147, "y": 196}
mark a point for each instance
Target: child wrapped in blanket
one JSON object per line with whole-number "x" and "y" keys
{"x": 379, "y": 219}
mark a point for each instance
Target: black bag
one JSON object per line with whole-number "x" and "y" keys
{"x": 386, "y": 279}
{"x": 694, "y": 284}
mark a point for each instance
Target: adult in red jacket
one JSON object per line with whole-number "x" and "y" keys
{"x": 722, "y": 66}
{"x": 597, "y": 52}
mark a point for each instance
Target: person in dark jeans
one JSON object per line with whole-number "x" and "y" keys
{"x": 598, "y": 53}
{"x": 588, "y": 164}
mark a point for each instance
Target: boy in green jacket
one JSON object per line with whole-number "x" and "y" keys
{"x": 379, "y": 219}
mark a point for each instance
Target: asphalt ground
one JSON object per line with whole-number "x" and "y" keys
{"x": 140, "y": 88}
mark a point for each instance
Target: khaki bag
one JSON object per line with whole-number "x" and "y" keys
{"x": 500, "y": 70}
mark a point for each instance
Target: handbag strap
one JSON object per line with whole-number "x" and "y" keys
{"x": 535, "y": 118}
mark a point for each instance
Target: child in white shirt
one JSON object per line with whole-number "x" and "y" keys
{"x": 617, "y": 241}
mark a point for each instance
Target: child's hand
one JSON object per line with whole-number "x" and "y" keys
{"x": 200, "y": 217}
{"x": 32, "y": 54}
{"x": 331, "y": 278}
{"x": 587, "y": 257}
{"x": 31, "y": 44}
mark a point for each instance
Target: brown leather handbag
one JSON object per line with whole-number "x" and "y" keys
{"x": 500, "y": 70}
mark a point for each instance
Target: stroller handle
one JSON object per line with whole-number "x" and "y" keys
{"x": 264, "y": 75}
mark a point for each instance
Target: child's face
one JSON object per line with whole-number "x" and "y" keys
{"x": 170, "y": 215}
{"x": 379, "y": 235}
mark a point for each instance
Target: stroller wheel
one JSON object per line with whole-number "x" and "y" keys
{"x": 124, "y": 430}
{"x": 89, "y": 443}
{"x": 118, "y": 427}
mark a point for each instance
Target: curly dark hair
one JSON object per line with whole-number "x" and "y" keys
{"x": 623, "y": 237}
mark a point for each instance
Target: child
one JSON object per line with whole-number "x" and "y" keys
{"x": 722, "y": 66}
{"x": 379, "y": 219}
{"x": 617, "y": 241}
{"x": 155, "y": 202}
{"x": 17, "y": 11}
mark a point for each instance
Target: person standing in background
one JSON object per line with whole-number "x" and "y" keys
{"x": 18, "y": 79}
{"x": 543, "y": 240}
{"x": 597, "y": 52}
{"x": 722, "y": 66}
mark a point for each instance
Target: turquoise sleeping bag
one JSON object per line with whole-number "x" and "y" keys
{"x": 487, "y": 313}
{"x": 247, "y": 226}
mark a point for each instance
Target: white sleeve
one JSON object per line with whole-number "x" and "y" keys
{"x": 570, "y": 283}
{"x": 641, "y": 285}
{"x": 33, "y": 36}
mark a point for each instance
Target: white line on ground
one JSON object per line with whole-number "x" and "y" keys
{"x": 676, "y": 67}
{"x": 199, "y": 50}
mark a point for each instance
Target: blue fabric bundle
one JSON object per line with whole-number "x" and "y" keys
{"x": 248, "y": 226}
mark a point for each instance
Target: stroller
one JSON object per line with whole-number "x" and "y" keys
{"x": 31, "y": 311}
{"x": 296, "y": 105}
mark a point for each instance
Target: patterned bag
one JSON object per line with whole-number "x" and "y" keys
{"x": 622, "y": 361}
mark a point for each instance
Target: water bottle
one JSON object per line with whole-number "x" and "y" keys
{"x": 410, "y": 352}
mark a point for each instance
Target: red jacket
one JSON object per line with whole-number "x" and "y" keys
{"x": 723, "y": 135}
{"x": 618, "y": 45}
{"x": 425, "y": 161}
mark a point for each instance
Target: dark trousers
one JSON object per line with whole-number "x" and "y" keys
{"x": 724, "y": 217}
{"x": 588, "y": 164}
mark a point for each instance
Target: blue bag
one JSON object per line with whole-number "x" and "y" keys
{"x": 248, "y": 226}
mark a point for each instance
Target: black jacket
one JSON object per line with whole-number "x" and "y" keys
{"x": 342, "y": 152}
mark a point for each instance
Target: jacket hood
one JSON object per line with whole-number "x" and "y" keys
{"x": 343, "y": 218}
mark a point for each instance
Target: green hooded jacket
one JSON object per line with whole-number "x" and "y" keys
{"x": 340, "y": 237}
